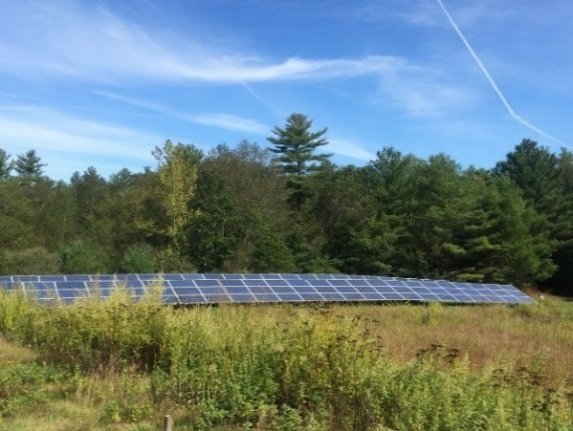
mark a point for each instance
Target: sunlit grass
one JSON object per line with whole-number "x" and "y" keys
{"x": 123, "y": 365}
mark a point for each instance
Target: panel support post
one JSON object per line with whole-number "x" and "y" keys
{"x": 167, "y": 423}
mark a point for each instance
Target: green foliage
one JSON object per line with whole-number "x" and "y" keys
{"x": 28, "y": 166}
{"x": 24, "y": 387}
{"x": 133, "y": 213}
{"x": 80, "y": 257}
{"x": 119, "y": 332}
{"x": 91, "y": 194}
{"x": 128, "y": 403}
{"x": 270, "y": 251}
{"x": 139, "y": 258}
{"x": 241, "y": 209}
{"x": 16, "y": 216}
{"x": 358, "y": 240}
{"x": 295, "y": 145}
{"x": 5, "y": 164}
{"x": 544, "y": 180}
{"x": 177, "y": 171}
{"x": 279, "y": 368}
{"x": 214, "y": 234}
{"x": 35, "y": 260}
{"x": 535, "y": 171}
{"x": 490, "y": 223}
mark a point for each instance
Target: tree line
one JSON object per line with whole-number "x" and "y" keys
{"x": 288, "y": 208}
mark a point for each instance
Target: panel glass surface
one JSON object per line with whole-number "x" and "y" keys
{"x": 263, "y": 288}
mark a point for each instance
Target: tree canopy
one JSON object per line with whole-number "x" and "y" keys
{"x": 295, "y": 145}
{"x": 232, "y": 210}
{"x": 28, "y": 166}
{"x": 5, "y": 164}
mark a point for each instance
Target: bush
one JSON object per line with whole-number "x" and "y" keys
{"x": 35, "y": 260}
{"x": 139, "y": 258}
{"x": 79, "y": 257}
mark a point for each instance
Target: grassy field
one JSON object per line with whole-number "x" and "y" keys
{"x": 114, "y": 365}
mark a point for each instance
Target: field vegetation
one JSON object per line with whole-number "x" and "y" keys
{"x": 119, "y": 365}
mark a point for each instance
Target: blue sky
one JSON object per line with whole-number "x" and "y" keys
{"x": 101, "y": 83}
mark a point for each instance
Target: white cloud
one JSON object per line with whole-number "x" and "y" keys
{"x": 414, "y": 12}
{"x": 422, "y": 13}
{"x": 95, "y": 45}
{"x": 346, "y": 148}
{"x": 424, "y": 91}
{"x": 90, "y": 44}
{"x": 231, "y": 122}
{"x": 235, "y": 70}
{"x": 220, "y": 120}
{"x": 61, "y": 139}
{"x": 240, "y": 124}
{"x": 134, "y": 101}
{"x": 23, "y": 134}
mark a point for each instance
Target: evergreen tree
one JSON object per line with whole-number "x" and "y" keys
{"x": 28, "y": 166}
{"x": 214, "y": 232}
{"x": 357, "y": 240}
{"x": 17, "y": 214}
{"x": 93, "y": 212}
{"x": 5, "y": 164}
{"x": 296, "y": 144}
{"x": 491, "y": 234}
{"x": 394, "y": 180}
{"x": 535, "y": 170}
{"x": 562, "y": 281}
{"x": 542, "y": 179}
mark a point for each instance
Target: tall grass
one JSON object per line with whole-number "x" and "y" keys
{"x": 301, "y": 367}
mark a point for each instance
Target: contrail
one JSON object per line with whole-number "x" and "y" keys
{"x": 513, "y": 114}
{"x": 276, "y": 113}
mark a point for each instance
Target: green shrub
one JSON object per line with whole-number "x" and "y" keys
{"x": 24, "y": 386}
{"x": 35, "y": 260}
{"x": 79, "y": 257}
{"x": 139, "y": 258}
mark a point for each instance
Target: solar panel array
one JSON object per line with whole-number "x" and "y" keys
{"x": 263, "y": 288}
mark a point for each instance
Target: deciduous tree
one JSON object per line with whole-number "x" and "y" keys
{"x": 177, "y": 169}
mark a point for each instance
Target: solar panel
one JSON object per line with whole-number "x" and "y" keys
{"x": 264, "y": 288}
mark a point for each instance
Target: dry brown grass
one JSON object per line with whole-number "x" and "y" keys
{"x": 536, "y": 336}
{"x": 11, "y": 353}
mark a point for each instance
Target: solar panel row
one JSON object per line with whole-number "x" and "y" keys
{"x": 255, "y": 288}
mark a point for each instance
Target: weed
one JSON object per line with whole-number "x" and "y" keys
{"x": 292, "y": 368}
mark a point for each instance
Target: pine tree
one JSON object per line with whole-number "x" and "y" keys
{"x": 535, "y": 170}
{"x": 5, "y": 165}
{"x": 295, "y": 146}
{"x": 28, "y": 166}
{"x": 542, "y": 178}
